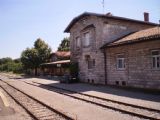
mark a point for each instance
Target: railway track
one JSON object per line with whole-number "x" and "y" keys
{"x": 134, "y": 110}
{"x": 131, "y": 109}
{"x": 35, "y": 108}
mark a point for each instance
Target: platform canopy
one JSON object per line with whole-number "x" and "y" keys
{"x": 57, "y": 63}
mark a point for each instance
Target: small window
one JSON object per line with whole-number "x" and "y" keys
{"x": 124, "y": 83}
{"x": 86, "y": 39}
{"x": 120, "y": 62}
{"x": 87, "y": 57}
{"x": 156, "y": 59}
{"x": 117, "y": 82}
{"x": 78, "y": 42}
{"x": 91, "y": 63}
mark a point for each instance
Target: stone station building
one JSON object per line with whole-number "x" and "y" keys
{"x": 135, "y": 59}
{"x": 116, "y": 50}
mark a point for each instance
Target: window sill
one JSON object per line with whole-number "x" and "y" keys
{"x": 121, "y": 69}
{"x": 155, "y": 69}
{"x": 86, "y": 46}
{"x": 78, "y": 48}
{"x": 91, "y": 68}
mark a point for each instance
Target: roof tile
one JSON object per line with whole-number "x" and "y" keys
{"x": 138, "y": 36}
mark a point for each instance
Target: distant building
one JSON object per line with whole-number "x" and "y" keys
{"x": 60, "y": 55}
{"x": 58, "y": 65}
{"x": 116, "y": 50}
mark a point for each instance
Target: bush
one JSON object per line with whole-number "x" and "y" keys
{"x": 74, "y": 69}
{"x": 11, "y": 66}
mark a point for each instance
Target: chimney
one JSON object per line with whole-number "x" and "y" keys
{"x": 146, "y": 17}
{"x": 109, "y": 14}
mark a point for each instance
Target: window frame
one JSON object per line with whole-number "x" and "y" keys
{"x": 78, "y": 42}
{"x": 120, "y": 57}
{"x": 155, "y": 57}
{"x": 91, "y": 63}
{"x": 84, "y": 39}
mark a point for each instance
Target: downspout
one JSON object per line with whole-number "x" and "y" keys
{"x": 105, "y": 66}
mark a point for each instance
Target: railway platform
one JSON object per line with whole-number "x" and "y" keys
{"x": 83, "y": 110}
{"x": 4, "y": 106}
{"x": 123, "y": 95}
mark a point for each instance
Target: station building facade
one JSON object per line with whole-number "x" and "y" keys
{"x": 115, "y": 50}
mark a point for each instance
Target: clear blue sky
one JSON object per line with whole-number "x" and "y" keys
{"x": 23, "y": 21}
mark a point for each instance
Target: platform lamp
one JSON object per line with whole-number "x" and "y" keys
{"x": 59, "y": 66}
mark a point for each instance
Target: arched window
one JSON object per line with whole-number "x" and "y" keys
{"x": 78, "y": 42}
{"x": 87, "y": 38}
{"x": 88, "y": 35}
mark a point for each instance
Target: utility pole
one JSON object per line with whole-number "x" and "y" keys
{"x": 159, "y": 27}
{"x": 103, "y": 5}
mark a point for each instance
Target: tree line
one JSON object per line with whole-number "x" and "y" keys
{"x": 31, "y": 58}
{"x": 8, "y": 64}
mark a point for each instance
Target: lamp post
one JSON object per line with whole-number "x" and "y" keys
{"x": 59, "y": 66}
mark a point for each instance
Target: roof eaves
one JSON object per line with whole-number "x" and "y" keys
{"x": 105, "y": 45}
{"x": 129, "y": 19}
{"x": 153, "y": 37}
{"x": 56, "y": 62}
{"x": 74, "y": 20}
{"x": 105, "y": 16}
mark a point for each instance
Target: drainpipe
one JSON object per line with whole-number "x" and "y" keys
{"x": 105, "y": 65}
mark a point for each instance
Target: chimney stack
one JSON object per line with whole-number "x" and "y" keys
{"x": 146, "y": 17}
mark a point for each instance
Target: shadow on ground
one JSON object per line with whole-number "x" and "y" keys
{"x": 114, "y": 90}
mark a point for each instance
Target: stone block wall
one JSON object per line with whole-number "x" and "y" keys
{"x": 103, "y": 30}
{"x": 138, "y": 70}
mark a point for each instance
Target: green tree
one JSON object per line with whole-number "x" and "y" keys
{"x": 8, "y": 65}
{"x": 18, "y": 60}
{"x": 29, "y": 58}
{"x": 32, "y": 57}
{"x": 5, "y": 60}
{"x": 64, "y": 45}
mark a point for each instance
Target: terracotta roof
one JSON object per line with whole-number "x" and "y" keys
{"x": 147, "y": 34}
{"x": 62, "y": 53}
{"x": 105, "y": 16}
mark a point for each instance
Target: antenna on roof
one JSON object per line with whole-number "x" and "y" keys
{"x": 103, "y": 5}
{"x": 159, "y": 27}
